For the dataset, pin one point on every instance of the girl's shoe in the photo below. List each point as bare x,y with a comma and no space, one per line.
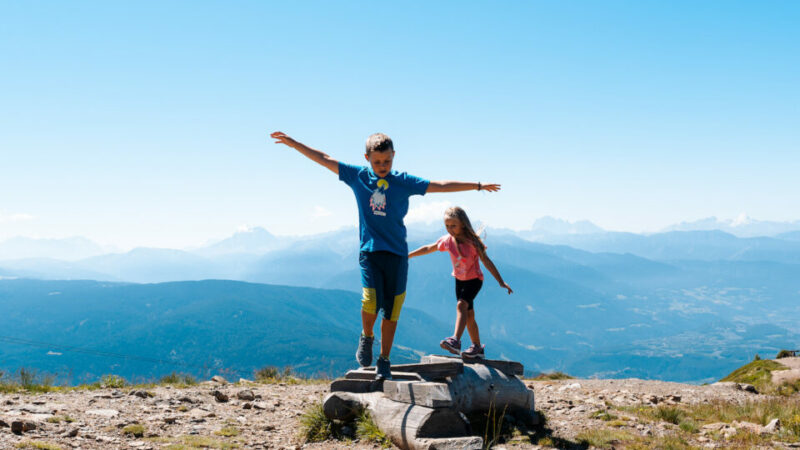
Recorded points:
451,344
383,370
473,352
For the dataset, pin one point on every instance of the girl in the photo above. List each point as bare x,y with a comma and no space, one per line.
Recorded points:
465,248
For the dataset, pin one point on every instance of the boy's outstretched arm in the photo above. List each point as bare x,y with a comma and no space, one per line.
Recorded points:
493,270
315,155
457,186
424,250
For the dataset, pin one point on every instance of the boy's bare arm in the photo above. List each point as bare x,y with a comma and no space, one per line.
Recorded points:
315,155
493,270
457,186
424,250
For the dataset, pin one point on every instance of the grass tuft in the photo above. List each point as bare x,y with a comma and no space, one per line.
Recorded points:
314,425
669,414
367,430
604,415
553,376
38,445
603,437
135,430
228,431
178,379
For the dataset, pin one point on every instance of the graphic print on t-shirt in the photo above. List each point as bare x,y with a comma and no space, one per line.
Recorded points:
378,199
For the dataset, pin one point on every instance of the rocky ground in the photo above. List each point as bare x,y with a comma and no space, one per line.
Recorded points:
575,408
207,415
789,375
243,415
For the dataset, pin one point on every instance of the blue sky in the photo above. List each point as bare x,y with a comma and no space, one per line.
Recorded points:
146,123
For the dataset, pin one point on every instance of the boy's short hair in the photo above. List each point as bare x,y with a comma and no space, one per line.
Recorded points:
379,142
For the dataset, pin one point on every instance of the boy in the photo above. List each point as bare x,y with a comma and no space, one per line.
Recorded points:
382,198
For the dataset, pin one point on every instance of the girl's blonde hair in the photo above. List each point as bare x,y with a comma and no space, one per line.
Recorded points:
456,212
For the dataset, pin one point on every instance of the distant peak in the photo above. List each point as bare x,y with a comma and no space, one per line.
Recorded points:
554,225
741,219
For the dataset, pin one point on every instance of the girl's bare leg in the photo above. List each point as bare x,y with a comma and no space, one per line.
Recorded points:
472,327
461,319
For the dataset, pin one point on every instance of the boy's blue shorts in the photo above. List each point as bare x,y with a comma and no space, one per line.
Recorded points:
383,282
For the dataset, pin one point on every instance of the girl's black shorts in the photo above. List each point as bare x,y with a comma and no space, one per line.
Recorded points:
467,290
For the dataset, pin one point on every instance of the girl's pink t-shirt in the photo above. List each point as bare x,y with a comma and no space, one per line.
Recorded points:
465,267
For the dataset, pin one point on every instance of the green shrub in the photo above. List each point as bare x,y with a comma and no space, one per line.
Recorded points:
756,358
134,430
180,379
669,414
30,381
112,381
784,354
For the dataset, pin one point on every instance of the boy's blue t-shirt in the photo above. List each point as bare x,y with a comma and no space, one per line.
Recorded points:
382,205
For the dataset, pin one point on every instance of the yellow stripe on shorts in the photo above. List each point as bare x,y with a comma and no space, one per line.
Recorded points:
398,305
369,300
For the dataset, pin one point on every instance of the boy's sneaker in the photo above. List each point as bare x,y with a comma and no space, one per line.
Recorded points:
384,370
364,352
473,352
451,344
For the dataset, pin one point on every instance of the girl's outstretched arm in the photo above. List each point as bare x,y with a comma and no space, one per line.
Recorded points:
457,186
493,270
424,250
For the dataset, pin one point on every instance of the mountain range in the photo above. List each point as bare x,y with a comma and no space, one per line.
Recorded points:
681,305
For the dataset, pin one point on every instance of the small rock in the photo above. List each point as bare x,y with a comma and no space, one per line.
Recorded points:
570,387
22,426
259,405
269,427
103,412
35,409
170,419
773,426
219,379
220,397
247,405
3,424
142,394
245,381
17,426
72,432
749,426
748,388
246,395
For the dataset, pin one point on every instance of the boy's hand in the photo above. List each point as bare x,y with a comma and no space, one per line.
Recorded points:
281,138
492,187
506,286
